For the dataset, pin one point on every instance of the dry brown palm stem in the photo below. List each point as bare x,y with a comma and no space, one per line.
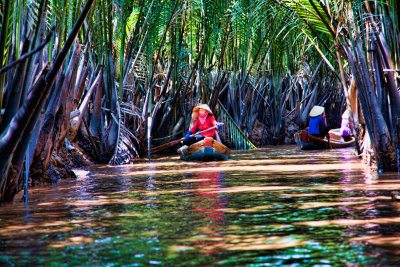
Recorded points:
66,99
75,122
50,129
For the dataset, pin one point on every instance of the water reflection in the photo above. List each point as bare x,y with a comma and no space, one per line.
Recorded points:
276,206
209,203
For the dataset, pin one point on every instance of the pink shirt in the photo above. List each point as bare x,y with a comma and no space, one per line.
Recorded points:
210,122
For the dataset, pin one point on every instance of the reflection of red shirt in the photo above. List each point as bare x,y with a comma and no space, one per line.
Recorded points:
209,204
210,122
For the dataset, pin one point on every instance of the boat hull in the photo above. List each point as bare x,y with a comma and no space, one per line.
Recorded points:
310,142
207,149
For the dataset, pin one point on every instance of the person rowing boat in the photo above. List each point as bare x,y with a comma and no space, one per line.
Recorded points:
317,125
202,119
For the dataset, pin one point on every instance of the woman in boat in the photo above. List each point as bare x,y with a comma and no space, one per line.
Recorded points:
345,131
317,125
203,119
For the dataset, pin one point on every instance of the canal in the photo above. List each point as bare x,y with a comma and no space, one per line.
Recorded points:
277,206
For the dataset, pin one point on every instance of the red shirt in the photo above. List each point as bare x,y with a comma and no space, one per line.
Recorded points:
210,122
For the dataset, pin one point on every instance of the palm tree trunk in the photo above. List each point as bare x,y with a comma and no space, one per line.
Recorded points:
67,101
34,102
46,135
14,101
95,121
375,122
11,136
75,122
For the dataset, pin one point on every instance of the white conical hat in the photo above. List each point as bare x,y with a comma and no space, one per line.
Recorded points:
316,111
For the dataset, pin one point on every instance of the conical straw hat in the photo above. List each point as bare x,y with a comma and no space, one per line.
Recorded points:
203,106
316,111
195,112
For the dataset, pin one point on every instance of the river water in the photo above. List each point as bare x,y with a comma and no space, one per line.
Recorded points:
277,206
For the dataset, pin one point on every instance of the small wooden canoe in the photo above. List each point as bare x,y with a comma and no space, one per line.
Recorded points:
306,141
207,149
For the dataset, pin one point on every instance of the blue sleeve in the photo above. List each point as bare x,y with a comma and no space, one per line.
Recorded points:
322,122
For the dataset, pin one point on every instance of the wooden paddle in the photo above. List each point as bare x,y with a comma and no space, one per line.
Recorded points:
172,143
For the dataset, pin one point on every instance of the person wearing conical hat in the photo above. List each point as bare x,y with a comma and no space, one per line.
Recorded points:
203,119
317,124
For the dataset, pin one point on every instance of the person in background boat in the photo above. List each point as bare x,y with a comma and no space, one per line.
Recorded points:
317,125
203,119
345,130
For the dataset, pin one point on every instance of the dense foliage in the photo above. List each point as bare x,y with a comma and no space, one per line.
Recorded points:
142,65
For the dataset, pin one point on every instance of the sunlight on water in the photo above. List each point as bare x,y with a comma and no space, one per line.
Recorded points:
269,207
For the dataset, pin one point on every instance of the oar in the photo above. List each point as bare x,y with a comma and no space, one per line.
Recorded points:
172,143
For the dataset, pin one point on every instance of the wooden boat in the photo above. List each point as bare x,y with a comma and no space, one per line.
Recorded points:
309,142
207,149
334,134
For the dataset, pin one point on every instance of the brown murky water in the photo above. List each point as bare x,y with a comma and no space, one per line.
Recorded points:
269,207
